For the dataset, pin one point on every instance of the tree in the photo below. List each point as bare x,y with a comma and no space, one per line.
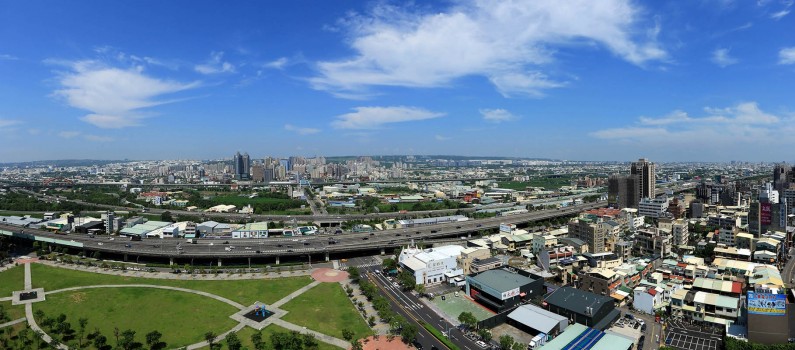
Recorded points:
166,216
83,322
406,280
506,342
389,264
485,334
256,339
468,319
128,340
232,341
347,334
353,273
287,341
420,288
210,338
153,340
357,345
408,332
96,255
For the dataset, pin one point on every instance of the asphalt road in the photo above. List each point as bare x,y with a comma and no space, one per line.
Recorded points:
788,273
300,245
409,306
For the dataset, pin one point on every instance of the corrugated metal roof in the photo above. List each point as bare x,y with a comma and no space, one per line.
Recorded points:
536,318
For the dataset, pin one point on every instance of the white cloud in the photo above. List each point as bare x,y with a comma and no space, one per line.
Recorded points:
277,64
786,55
4,123
215,65
376,117
8,57
114,96
779,15
69,134
722,58
301,131
442,138
507,42
497,115
97,138
743,122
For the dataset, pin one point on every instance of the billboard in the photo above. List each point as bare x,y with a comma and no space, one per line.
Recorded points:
767,304
507,228
765,213
510,294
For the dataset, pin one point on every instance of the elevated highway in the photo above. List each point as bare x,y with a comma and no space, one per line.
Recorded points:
277,247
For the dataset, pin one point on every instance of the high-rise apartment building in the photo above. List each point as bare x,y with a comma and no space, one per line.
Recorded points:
589,231
645,170
242,166
622,191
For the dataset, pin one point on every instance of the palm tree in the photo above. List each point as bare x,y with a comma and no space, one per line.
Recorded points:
82,322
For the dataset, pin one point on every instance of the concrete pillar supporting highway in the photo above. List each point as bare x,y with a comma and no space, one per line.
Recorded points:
125,257
326,256
382,251
171,261
220,262
277,260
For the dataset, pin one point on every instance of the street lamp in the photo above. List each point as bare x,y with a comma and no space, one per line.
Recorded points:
446,324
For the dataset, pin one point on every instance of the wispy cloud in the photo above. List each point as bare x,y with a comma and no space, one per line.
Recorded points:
497,115
745,121
215,65
114,96
722,58
7,57
786,55
376,117
779,15
442,138
69,134
300,130
87,137
4,123
277,63
508,43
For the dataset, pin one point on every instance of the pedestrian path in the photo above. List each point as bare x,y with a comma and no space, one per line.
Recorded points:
181,276
28,280
319,336
11,323
379,328
292,295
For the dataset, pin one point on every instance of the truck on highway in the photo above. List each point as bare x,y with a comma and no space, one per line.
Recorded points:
135,238
191,241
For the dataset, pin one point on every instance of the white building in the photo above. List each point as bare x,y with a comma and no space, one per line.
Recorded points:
434,265
654,208
647,299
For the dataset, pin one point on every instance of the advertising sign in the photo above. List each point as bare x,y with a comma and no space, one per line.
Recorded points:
767,304
508,228
765,213
510,294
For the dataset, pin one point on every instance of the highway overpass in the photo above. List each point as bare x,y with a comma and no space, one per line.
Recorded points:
276,248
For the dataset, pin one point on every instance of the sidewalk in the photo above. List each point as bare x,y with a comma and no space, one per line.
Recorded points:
380,327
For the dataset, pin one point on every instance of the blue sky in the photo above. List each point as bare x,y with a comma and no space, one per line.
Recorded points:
584,80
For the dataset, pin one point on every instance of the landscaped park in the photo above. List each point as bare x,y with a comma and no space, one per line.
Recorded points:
81,306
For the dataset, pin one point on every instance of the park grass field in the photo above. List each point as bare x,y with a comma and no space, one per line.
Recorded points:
183,318
21,213
246,333
245,292
326,309
13,311
11,280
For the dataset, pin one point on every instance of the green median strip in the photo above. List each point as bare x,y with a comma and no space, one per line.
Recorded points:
436,333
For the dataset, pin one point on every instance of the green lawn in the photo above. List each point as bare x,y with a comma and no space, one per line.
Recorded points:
21,213
326,309
245,292
246,333
13,311
11,280
183,318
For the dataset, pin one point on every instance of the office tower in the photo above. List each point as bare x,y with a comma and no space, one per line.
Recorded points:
242,166
645,170
622,191
258,173
781,176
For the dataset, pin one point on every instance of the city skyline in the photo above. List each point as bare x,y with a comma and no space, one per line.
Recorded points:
614,80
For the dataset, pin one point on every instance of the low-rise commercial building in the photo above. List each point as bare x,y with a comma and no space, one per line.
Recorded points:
501,289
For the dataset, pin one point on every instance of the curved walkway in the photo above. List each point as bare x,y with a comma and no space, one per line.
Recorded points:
209,295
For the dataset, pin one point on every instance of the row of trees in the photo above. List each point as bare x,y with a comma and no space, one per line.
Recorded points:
62,332
398,324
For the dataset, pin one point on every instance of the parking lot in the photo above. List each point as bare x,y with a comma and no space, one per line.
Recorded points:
680,335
